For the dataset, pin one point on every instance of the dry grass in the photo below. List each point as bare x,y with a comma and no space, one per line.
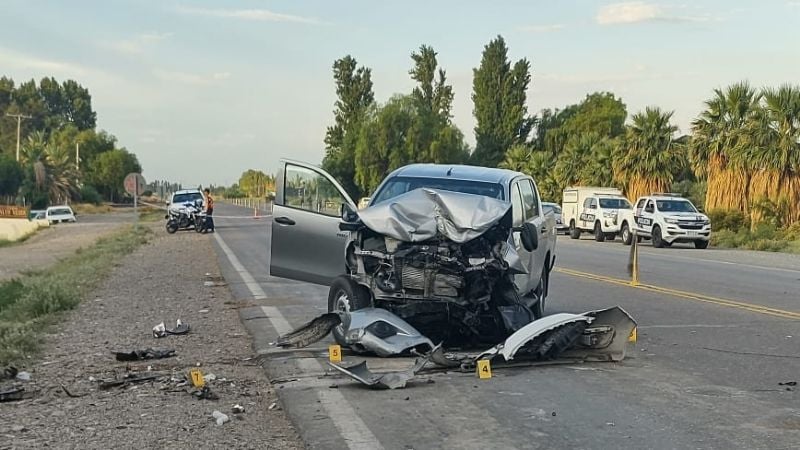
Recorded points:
31,303
90,208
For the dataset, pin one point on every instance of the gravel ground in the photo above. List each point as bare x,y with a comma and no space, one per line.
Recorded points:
162,281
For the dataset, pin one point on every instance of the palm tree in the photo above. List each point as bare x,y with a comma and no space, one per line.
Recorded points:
53,171
717,137
649,157
771,152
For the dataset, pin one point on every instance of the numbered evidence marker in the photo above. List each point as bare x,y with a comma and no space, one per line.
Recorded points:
484,369
632,337
197,378
334,353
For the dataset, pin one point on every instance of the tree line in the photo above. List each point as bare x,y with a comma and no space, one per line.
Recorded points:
59,124
742,154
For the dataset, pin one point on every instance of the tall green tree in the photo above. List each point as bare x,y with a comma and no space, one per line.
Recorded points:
11,175
499,94
354,96
650,156
255,183
109,169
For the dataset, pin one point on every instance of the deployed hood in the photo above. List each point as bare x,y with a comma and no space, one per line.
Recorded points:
424,214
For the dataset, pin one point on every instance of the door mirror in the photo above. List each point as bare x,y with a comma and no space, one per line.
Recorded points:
528,236
348,214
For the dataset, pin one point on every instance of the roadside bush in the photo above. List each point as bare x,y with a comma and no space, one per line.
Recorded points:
90,195
725,219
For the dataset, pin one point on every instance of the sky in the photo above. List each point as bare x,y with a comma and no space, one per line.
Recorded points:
203,90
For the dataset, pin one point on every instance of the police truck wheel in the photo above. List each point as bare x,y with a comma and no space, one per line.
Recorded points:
627,236
658,241
701,244
599,236
574,233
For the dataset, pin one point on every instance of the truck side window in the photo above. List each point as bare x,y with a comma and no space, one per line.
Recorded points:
308,190
529,199
517,211
593,203
649,207
587,203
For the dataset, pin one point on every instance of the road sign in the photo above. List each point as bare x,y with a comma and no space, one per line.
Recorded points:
134,184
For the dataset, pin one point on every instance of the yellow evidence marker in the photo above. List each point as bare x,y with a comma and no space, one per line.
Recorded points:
484,369
197,378
334,353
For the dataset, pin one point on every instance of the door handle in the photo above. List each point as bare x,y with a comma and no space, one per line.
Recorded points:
284,220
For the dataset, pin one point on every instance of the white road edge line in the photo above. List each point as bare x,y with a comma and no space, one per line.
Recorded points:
352,429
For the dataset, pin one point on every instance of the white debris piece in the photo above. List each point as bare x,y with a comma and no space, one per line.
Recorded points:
220,417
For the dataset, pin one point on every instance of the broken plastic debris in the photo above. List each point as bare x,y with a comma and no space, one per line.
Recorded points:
161,330
272,406
13,394
205,394
10,372
24,376
237,409
128,379
149,353
311,332
388,380
220,417
209,377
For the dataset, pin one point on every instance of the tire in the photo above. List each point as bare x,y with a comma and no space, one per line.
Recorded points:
541,292
574,233
599,236
346,295
611,236
172,227
658,241
702,245
627,236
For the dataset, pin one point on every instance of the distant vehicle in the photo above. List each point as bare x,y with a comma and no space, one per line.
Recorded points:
548,207
666,219
595,210
183,209
56,214
37,214
181,199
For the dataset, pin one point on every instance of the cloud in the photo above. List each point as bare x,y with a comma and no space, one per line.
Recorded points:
541,28
190,78
16,60
638,12
137,44
261,15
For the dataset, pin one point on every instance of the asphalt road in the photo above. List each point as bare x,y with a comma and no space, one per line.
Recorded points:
718,332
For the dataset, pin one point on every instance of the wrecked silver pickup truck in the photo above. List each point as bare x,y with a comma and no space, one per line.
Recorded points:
453,254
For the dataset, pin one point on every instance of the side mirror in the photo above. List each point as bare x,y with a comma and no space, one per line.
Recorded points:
529,236
347,213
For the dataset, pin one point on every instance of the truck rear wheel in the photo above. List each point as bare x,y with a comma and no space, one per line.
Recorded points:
574,232
599,236
701,244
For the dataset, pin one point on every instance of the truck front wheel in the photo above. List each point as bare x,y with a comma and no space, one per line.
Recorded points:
627,237
658,241
599,236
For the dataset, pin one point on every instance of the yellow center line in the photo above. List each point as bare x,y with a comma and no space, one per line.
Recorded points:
686,295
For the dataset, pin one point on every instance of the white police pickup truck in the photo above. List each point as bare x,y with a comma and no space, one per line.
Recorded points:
594,210
666,219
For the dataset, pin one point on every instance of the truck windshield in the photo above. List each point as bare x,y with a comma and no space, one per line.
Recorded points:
186,198
615,203
675,206
400,185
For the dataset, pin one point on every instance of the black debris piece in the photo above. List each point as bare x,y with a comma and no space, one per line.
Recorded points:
10,372
128,379
205,393
11,395
788,383
311,332
149,353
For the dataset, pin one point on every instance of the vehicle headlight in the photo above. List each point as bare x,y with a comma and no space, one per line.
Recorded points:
382,329
672,221
609,214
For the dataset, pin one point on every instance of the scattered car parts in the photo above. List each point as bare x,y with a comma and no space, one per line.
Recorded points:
387,380
161,330
311,332
139,355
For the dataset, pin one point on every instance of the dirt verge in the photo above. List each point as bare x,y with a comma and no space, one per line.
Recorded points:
162,281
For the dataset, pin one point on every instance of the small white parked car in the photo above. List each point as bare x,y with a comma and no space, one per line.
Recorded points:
56,214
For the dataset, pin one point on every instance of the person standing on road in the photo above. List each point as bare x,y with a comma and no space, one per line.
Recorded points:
208,224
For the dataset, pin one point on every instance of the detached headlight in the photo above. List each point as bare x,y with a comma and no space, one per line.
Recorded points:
672,221
382,329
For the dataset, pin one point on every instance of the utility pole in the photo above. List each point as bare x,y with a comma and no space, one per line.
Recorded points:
19,123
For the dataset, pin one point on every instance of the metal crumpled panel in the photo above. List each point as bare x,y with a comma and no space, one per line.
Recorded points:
423,214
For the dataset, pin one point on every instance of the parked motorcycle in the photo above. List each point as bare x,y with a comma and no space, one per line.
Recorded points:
184,218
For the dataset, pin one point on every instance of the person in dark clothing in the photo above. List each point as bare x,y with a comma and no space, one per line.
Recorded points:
208,223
